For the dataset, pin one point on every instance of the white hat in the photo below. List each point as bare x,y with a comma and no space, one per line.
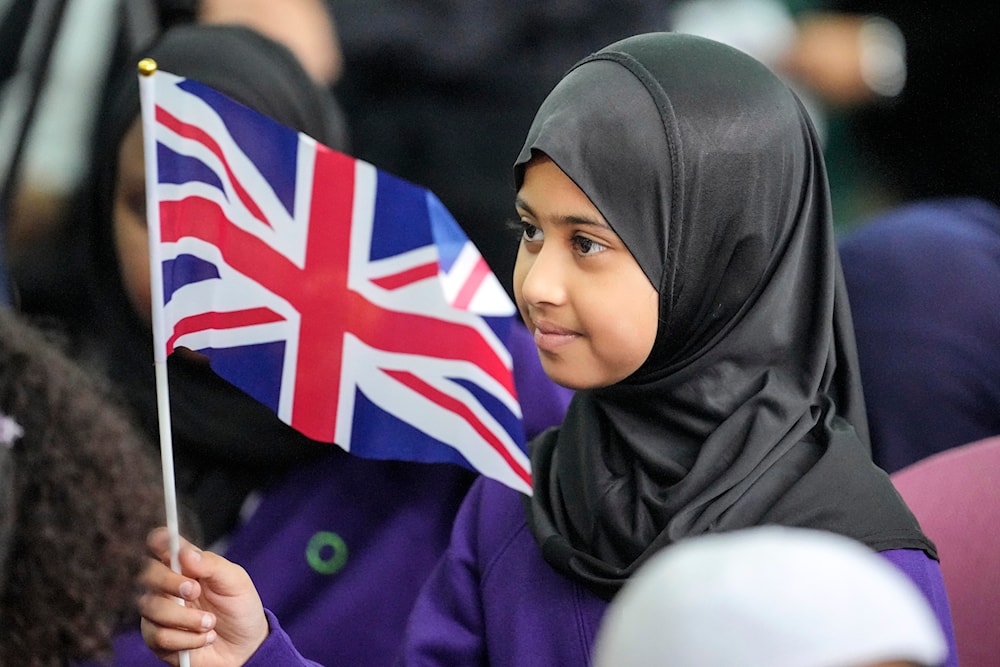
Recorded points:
768,597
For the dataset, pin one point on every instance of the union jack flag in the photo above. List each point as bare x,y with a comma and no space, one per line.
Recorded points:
347,300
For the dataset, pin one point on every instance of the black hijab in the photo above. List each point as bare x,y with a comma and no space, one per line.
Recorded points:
225,443
748,410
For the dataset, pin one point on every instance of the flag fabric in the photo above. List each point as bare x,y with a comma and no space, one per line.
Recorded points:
347,300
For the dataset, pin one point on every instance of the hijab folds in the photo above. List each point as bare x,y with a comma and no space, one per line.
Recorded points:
749,409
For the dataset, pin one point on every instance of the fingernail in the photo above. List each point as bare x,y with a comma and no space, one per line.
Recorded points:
207,621
185,589
211,637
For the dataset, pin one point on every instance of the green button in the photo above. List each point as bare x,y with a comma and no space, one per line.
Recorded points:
326,552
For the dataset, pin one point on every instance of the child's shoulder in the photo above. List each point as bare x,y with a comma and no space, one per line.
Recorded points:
492,502
493,520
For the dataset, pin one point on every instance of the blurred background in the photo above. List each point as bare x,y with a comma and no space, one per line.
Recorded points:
904,94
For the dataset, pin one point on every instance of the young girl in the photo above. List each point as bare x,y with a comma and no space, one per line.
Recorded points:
678,269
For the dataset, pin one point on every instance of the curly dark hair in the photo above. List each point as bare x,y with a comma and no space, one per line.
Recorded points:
86,491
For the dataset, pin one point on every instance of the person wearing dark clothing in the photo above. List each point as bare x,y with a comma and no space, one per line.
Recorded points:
924,286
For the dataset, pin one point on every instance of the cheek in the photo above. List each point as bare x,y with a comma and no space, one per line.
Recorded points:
132,246
650,320
634,326
521,266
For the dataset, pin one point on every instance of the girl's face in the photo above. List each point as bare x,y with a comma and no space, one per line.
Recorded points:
130,233
593,312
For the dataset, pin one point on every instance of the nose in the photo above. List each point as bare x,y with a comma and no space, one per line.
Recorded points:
543,276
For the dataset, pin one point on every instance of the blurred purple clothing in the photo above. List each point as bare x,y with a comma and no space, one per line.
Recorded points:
338,551
923,281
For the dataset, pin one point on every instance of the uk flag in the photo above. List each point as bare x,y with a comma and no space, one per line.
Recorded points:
345,299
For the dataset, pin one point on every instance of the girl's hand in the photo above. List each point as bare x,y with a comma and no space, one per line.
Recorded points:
222,622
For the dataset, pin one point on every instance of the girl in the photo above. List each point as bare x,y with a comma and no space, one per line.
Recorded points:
678,270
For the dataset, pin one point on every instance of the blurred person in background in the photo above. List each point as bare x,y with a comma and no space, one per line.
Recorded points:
924,286
59,59
922,262
79,491
906,91
920,84
751,598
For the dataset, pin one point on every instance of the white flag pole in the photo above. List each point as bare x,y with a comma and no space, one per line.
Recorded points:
147,97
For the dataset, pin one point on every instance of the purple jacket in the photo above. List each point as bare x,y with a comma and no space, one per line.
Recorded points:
492,600
338,552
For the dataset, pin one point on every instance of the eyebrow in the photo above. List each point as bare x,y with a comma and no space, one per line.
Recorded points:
565,219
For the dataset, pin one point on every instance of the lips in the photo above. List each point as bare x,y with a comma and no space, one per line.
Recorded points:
550,337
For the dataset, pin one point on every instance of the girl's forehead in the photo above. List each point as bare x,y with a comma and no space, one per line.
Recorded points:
602,128
547,190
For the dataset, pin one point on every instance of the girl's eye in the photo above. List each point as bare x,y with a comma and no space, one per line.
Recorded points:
530,232
586,246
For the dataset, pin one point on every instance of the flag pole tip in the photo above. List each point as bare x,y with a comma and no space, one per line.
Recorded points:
147,66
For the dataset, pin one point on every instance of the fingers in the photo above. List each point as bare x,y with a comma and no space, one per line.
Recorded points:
158,542
165,618
159,579
168,613
222,605
166,641
214,573
192,566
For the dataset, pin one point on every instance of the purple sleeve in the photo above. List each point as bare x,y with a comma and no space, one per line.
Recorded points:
925,572
446,623
277,649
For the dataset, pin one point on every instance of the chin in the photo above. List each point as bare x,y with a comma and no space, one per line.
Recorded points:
570,376
569,380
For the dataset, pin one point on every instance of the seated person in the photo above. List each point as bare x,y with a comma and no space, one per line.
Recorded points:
923,281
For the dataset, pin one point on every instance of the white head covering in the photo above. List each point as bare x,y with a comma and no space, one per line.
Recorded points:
768,597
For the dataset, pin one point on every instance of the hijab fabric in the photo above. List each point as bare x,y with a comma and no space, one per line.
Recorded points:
749,409
226,443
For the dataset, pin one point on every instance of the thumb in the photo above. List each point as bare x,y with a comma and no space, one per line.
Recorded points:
217,574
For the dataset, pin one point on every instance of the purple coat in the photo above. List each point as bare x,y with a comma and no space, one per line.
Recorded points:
492,600
338,551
